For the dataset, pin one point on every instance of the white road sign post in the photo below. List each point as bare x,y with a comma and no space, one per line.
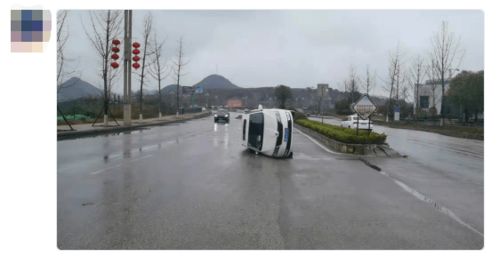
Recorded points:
364,109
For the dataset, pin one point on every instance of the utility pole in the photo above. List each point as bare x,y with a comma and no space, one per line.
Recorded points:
127,70
320,103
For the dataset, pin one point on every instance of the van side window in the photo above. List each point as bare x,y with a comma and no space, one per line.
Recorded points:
244,129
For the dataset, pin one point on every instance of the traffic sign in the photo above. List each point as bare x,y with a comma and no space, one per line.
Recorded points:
364,107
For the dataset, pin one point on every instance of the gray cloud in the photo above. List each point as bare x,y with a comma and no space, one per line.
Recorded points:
296,48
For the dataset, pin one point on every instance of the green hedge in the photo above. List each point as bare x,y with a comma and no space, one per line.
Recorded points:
344,135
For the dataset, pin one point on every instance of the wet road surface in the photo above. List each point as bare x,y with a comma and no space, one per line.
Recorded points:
192,186
445,169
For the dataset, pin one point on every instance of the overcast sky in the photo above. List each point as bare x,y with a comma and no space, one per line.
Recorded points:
294,48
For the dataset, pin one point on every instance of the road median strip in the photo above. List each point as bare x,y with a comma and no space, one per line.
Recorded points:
327,135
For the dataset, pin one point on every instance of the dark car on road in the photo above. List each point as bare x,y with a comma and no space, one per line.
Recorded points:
222,115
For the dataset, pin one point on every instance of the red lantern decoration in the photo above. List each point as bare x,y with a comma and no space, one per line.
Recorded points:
136,65
136,51
136,58
115,49
136,44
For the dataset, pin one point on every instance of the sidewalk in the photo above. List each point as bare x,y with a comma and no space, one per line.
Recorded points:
81,130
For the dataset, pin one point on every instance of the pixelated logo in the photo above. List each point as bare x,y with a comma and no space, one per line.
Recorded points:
29,30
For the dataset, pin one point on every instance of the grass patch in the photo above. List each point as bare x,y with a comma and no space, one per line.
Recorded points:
344,135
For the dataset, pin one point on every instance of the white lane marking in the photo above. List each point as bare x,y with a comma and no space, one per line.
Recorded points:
410,190
437,206
141,157
319,144
104,169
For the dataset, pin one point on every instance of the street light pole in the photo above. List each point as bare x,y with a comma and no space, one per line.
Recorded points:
127,70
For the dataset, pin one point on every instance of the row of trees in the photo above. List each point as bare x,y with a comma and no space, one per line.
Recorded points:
406,77
444,56
104,26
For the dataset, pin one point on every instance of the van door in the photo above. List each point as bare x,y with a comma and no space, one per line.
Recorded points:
255,131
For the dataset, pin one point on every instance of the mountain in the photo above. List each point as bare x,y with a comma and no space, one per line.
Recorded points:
215,81
75,88
170,89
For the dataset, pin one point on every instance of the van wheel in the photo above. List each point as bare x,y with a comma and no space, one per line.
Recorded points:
290,156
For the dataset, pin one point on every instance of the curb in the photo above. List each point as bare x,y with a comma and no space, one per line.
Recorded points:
62,135
354,149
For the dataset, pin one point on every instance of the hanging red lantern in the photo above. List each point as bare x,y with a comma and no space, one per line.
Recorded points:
136,58
115,65
116,42
136,44
115,56
115,49
136,65
136,51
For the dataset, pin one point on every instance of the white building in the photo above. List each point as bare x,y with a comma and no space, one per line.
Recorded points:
428,95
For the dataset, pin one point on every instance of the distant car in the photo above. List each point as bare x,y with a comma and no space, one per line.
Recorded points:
240,116
269,131
351,122
222,115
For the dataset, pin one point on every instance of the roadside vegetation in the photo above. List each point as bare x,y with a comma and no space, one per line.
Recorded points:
344,135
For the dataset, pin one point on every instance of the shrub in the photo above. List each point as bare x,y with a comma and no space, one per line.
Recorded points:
298,115
344,135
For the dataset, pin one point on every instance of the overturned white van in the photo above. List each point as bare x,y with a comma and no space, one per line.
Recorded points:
269,131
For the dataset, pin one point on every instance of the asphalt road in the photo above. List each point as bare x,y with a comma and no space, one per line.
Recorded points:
446,169
192,186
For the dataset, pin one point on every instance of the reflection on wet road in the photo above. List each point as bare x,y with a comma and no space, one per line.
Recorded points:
193,186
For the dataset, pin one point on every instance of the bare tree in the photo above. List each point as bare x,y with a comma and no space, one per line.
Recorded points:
62,60
433,74
62,38
179,65
416,78
146,34
104,27
323,91
352,83
370,81
445,55
158,69
394,79
404,93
